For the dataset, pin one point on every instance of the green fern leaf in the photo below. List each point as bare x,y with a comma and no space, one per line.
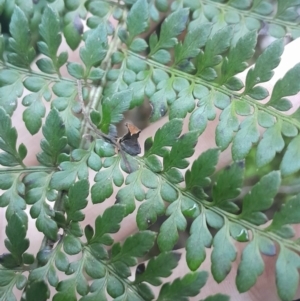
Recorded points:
198,177
262,70
227,186
180,289
16,243
171,27
194,40
67,105
103,188
11,88
77,201
271,144
288,85
160,266
199,239
12,197
55,140
235,61
8,134
22,52
94,50
250,268
37,291
215,46
290,162
176,221
260,198
288,214
218,297
166,136
8,278
37,193
50,32
137,20
109,222
134,246
113,108
287,274
224,252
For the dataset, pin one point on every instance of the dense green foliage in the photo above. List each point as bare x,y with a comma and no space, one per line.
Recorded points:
187,68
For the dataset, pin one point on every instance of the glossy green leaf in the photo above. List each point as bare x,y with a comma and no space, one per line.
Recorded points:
113,108
36,194
54,139
76,70
137,19
136,245
183,148
94,50
158,267
165,136
201,169
152,207
109,222
176,221
244,139
46,65
33,115
206,111
72,245
16,242
250,268
288,85
65,290
103,188
78,193
218,297
50,32
291,159
237,57
8,135
194,40
69,171
228,186
228,125
11,88
199,239
215,46
260,198
20,43
271,144
264,65
12,198
223,254
37,291
287,275
73,31
181,289
172,26
288,214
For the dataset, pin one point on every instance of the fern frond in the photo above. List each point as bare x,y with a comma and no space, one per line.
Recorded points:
185,58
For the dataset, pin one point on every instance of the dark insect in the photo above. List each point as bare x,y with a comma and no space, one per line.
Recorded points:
129,142
140,269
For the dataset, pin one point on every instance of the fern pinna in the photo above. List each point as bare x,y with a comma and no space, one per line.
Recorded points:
183,57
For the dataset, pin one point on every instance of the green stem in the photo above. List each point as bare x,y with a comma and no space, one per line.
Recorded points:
28,169
36,73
